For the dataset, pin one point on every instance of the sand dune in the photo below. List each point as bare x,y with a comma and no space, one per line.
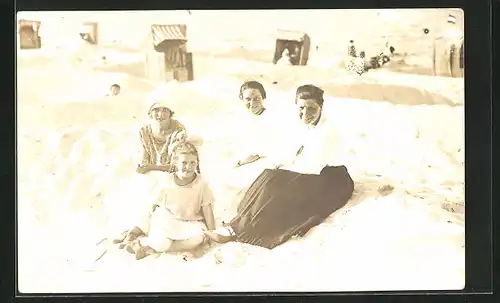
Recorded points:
77,151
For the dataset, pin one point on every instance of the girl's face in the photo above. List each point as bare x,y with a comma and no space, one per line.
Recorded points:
253,100
162,115
186,166
114,90
309,110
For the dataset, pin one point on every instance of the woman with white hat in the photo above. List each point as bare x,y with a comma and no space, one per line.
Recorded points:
158,137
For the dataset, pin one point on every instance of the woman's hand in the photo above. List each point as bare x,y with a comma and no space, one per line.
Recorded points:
248,160
142,169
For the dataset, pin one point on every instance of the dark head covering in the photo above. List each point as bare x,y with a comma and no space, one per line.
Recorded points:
255,85
310,91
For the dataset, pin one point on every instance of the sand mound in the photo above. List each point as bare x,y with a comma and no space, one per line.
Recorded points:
390,93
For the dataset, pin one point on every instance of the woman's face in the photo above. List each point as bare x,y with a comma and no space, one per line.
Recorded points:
309,110
186,165
253,100
161,115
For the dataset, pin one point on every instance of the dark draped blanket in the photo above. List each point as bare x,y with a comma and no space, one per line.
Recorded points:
281,204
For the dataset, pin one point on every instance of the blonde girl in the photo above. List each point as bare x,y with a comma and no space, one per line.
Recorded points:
183,211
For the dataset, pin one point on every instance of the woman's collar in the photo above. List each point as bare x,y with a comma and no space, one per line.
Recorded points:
260,113
317,121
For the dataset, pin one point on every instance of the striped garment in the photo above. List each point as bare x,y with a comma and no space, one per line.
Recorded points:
156,152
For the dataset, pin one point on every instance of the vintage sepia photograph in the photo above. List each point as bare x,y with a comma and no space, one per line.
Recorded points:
240,150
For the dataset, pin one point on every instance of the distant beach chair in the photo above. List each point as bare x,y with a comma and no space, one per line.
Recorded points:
448,58
28,34
297,43
169,58
89,33
461,62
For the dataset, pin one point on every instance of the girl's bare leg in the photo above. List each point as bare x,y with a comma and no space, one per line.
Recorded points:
143,252
129,236
187,245
140,250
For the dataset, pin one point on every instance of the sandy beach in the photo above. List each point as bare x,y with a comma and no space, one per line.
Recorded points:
77,153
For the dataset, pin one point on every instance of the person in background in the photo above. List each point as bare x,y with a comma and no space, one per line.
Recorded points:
448,39
285,58
357,65
455,37
295,56
462,53
351,49
377,61
114,90
388,49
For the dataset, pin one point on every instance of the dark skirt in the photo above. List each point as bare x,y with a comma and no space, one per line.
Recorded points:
281,204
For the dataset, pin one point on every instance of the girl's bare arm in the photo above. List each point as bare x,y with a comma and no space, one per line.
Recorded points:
208,214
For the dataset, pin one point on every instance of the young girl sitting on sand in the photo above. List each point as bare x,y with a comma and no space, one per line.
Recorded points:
182,213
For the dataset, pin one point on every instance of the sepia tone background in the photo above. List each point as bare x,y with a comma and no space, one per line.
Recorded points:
77,149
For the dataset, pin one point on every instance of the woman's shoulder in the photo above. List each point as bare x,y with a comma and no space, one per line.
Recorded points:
178,126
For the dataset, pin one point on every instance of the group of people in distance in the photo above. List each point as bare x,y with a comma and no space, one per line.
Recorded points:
295,191
358,63
448,52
